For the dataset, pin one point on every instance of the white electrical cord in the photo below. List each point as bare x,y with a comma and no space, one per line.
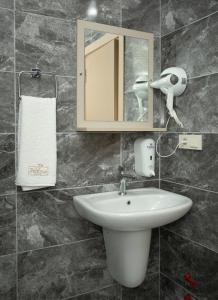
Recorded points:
157,142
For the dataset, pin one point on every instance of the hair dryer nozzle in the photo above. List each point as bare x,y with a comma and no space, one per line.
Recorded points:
162,83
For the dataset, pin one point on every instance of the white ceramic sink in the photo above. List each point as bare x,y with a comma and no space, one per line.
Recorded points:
127,222
139,209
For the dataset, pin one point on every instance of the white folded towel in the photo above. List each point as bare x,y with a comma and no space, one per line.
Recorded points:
37,149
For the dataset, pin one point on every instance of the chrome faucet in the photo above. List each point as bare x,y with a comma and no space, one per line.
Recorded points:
123,177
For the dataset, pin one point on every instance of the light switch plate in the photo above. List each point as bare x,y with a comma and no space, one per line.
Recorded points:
190,141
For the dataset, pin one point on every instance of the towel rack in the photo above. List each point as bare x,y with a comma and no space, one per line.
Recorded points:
36,74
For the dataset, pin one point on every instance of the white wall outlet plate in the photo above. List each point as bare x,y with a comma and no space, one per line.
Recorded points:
190,141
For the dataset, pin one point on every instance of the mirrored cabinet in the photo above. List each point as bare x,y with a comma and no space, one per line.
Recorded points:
114,68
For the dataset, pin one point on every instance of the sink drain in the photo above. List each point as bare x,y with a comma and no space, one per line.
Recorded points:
128,202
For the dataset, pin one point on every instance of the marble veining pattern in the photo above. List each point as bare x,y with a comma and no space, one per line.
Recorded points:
177,13
172,291
194,168
140,15
66,105
49,218
87,159
7,102
193,48
179,256
61,272
204,211
197,107
54,8
108,12
111,293
7,40
7,164
7,4
7,224
8,277
46,42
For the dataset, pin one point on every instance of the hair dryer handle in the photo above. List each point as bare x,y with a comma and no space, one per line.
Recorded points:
169,105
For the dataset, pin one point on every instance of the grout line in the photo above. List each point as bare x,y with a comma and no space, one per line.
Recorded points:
60,245
82,187
190,186
57,75
8,195
66,20
187,25
7,133
203,75
90,292
15,157
189,240
9,254
189,132
181,286
5,8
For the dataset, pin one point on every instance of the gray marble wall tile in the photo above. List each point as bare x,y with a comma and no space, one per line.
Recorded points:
177,13
8,277
157,57
6,40
179,256
111,293
49,218
54,8
197,107
128,158
153,262
7,4
148,290
169,290
7,164
142,184
193,48
7,102
201,223
108,12
195,168
45,41
87,159
7,224
66,102
64,271
141,15
66,105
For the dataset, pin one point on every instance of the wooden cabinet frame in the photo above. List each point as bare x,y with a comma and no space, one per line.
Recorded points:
82,124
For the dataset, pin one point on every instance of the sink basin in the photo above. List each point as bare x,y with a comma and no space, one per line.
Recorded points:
127,222
139,209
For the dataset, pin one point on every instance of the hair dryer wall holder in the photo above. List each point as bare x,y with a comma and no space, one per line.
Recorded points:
172,83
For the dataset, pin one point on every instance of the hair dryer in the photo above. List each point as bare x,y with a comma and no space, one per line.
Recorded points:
140,89
173,82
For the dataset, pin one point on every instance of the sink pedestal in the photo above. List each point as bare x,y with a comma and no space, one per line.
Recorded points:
127,255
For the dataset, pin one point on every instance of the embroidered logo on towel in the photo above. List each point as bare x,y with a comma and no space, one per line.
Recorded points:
38,170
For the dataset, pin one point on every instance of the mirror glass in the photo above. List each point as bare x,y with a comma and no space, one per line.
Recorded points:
116,77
